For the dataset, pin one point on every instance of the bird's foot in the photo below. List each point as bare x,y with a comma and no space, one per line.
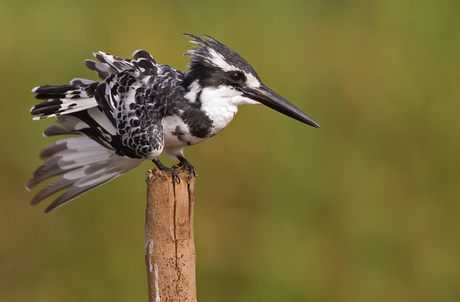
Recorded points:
162,167
187,166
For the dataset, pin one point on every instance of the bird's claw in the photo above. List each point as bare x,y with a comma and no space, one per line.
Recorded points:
162,167
187,166
174,175
183,163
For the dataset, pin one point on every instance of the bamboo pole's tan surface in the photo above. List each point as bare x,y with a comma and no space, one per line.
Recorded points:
169,246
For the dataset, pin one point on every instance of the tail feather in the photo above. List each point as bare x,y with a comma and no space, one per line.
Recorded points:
74,191
48,169
77,189
64,156
53,130
82,164
70,146
56,186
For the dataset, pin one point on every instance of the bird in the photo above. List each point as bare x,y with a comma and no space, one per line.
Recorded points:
140,109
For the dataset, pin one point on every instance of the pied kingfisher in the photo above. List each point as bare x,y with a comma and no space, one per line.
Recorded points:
139,109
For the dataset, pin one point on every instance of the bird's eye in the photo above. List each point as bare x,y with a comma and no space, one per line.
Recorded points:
236,76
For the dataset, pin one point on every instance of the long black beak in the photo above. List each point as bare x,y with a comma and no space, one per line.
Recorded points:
269,98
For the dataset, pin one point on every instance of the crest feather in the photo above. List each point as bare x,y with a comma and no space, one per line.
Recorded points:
209,50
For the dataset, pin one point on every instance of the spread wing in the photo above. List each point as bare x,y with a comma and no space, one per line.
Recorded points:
118,120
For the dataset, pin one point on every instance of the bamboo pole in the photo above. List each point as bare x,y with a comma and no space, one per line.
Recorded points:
169,244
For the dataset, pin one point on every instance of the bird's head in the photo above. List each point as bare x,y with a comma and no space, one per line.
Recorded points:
215,66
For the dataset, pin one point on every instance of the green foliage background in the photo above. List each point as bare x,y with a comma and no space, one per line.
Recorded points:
367,208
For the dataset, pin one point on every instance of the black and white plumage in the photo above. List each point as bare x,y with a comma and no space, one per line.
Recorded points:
138,110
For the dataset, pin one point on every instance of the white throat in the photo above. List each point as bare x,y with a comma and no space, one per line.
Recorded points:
219,103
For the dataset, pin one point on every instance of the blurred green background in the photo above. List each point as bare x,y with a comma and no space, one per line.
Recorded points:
367,208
